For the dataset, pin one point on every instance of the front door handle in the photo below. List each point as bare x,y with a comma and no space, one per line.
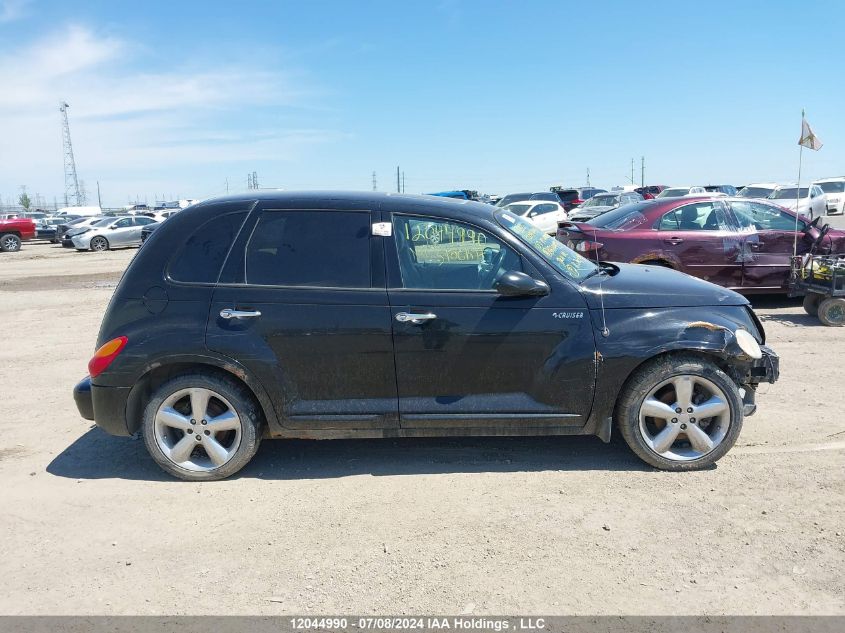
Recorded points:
416,319
229,313
674,240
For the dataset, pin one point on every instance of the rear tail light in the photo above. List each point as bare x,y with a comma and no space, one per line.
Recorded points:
577,201
104,356
587,246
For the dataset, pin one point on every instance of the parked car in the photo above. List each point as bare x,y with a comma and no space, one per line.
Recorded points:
160,215
357,314
513,197
147,230
602,203
728,190
65,232
650,191
542,214
571,198
109,233
678,192
808,201
14,231
47,229
834,193
759,190
738,243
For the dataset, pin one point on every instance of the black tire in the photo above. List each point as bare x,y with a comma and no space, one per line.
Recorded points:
811,303
650,375
241,400
10,243
832,311
100,240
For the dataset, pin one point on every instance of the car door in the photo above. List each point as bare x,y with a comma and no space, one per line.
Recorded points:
769,236
302,304
818,203
119,233
701,237
138,223
467,357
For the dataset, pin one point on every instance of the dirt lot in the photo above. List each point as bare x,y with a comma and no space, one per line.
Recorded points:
567,525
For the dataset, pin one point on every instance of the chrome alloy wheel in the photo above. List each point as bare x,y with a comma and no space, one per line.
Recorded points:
11,244
99,244
197,429
685,418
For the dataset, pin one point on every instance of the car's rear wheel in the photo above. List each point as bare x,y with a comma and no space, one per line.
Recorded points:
10,243
832,311
680,412
201,427
811,303
99,243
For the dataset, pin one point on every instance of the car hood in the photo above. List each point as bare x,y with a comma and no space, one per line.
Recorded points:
640,286
78,231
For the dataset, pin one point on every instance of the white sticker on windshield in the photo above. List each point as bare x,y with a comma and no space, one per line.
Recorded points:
382,229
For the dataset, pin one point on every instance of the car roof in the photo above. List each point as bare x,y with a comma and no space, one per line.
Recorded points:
770,185
832,179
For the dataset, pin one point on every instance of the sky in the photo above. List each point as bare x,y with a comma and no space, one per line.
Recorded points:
184,99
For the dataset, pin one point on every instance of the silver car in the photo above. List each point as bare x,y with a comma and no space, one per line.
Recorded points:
111,233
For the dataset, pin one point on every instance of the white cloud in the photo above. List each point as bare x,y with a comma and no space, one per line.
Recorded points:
11,10
125,122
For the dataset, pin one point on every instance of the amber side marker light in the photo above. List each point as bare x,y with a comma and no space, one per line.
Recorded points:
104,356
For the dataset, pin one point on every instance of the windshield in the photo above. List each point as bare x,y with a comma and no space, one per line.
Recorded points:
601,201
832,187
564,260
625,217
754,192
673,193
789,193
519,209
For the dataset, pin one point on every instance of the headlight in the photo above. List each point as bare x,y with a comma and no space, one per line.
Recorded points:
748,344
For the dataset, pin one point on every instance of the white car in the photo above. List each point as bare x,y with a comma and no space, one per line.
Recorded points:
543,214
809,201
834,193
680,192
758,190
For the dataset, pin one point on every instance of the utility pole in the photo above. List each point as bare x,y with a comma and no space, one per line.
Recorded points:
99,200
632,171
398,188
72,194
227,185
255,180
403,182
375,188
588,176
642,171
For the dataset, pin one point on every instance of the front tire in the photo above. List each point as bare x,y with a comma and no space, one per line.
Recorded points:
10,243
201,427
832,312
99,244
811,303
680,412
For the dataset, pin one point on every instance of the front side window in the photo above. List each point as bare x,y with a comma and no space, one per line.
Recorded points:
326,249
439,254
122,224
764,217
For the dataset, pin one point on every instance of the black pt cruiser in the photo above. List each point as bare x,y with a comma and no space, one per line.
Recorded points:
339,315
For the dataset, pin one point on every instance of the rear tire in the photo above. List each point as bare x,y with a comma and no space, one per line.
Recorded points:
832,312
690,443
10,243
811,303
201,427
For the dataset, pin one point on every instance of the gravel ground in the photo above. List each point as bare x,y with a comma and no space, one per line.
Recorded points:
507,525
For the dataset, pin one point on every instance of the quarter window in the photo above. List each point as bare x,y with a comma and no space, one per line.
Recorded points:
446,255
326,249
202,256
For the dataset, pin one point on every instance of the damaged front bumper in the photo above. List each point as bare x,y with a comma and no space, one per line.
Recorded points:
763,369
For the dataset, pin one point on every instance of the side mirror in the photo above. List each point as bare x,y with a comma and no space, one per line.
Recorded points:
512,283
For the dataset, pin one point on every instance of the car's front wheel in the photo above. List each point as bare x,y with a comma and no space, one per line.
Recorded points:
10,243
99,244
680,412
201,427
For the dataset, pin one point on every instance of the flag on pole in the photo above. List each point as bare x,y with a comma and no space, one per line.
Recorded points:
808,138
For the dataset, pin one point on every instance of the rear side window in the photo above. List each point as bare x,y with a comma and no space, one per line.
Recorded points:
327,249
202,256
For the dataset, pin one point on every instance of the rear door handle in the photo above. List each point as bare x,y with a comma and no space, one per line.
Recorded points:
674,240
229,313
416,319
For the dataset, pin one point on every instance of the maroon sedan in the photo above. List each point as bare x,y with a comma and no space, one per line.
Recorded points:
739,243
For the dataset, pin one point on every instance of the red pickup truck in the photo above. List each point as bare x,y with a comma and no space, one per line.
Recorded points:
13,231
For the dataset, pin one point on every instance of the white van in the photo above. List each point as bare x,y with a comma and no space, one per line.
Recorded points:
80,211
